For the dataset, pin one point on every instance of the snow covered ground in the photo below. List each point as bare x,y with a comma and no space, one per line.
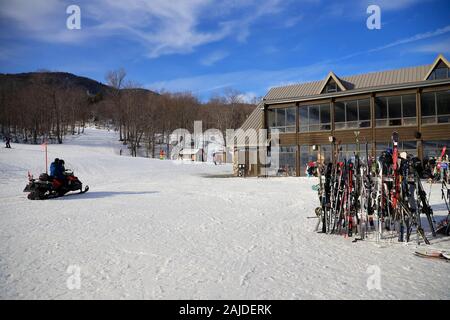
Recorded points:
152,229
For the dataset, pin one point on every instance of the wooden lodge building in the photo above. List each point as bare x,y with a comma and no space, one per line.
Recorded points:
413,101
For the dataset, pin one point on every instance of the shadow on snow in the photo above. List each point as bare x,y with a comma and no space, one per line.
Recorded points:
103,194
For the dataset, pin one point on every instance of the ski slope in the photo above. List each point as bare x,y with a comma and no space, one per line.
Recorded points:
152,229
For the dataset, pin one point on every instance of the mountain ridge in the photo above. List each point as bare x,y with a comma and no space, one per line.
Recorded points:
59,78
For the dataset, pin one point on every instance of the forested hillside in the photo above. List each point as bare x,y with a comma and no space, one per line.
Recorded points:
46,106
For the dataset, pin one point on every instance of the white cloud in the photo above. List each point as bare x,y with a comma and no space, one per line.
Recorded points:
205,83
163,27
409,40
257,11
214,57
247,97
415,38
436,47
292,21
30,15
271,78
393,4
159,26
42,20
355,10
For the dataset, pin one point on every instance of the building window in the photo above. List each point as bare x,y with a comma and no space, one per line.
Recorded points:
242,155
332,86
403,146
288,160
281,119
314,118
348,152
433,149
395,111
440,72
352,114
436,107
314,153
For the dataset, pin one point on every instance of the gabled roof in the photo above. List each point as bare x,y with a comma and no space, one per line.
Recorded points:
439,59
356,82
331,75
254,121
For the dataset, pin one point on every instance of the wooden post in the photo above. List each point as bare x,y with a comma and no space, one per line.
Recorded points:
419,147
46,158
297,140
373,125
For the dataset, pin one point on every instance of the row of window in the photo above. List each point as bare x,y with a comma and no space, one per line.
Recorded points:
347,151
389,111
395,111
315,118
323,153
352,114
436,107
282,119
287,158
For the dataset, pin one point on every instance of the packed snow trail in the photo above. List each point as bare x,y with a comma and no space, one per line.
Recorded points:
152,229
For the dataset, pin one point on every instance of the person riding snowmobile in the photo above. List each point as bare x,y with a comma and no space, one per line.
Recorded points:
62,168
57,170
53,167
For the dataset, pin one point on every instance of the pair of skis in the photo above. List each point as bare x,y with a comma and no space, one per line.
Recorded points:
346,191
433,254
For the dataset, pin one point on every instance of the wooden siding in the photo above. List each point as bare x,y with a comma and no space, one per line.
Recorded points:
433,132
282,105
314,138
351,98
436,132
405,133
288,139
348,136
395,93
311,103
437,88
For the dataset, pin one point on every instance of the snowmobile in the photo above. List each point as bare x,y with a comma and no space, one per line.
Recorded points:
48,187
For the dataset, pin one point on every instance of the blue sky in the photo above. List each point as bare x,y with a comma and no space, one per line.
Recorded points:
207,46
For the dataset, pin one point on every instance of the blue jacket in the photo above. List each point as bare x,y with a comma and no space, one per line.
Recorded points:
57,171
53,169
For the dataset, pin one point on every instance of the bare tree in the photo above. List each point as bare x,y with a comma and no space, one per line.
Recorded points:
116,80
45,107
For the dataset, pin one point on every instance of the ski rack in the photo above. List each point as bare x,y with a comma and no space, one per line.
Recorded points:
376,199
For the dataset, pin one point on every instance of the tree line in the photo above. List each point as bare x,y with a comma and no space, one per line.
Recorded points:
42,109
38,110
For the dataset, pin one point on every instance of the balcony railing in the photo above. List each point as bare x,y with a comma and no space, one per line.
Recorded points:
442,118
392,122
352,125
